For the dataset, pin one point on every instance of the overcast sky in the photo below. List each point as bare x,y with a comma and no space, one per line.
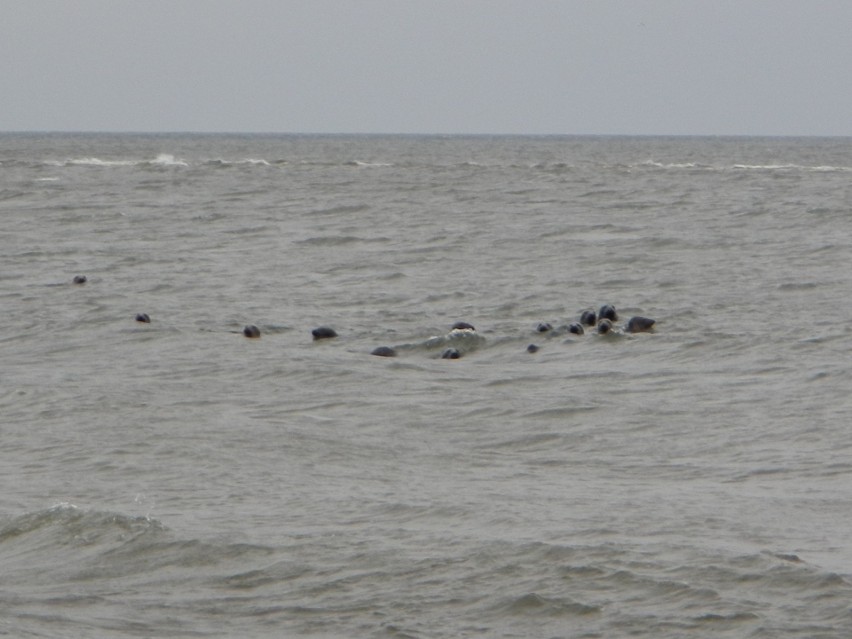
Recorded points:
717,67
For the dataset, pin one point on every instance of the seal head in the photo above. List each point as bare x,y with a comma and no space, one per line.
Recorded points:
607,311
576,329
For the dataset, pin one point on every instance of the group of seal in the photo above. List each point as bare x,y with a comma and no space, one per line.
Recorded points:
602,322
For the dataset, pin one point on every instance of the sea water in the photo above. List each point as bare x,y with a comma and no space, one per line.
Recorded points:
177,479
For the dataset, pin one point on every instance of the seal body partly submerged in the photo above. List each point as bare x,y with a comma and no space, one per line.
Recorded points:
639,324
323,332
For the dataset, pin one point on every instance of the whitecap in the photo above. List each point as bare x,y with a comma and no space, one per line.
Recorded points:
167,159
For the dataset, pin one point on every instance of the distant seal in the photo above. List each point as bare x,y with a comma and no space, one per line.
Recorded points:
251,331
143,318
576,328
79,279
451,353
639,324
532,348
383,351
607,311
323,332
543,327
463,326
604,326
588,318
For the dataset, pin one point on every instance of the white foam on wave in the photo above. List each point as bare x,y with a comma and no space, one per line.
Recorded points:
793,167
746,167
672,165
167,159
361,164
94,162
766,167
244,161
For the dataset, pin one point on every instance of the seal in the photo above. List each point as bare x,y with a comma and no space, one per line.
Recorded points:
532,348
588,318
79,279
543,327
251,331
604,326
143,318
451,353
639,324
576,328
463,326
607,311
323,332
383,351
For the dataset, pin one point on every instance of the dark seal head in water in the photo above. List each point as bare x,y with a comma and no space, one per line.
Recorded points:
323,332
79,279
532,348
143,318
639,324
251,331
608,312
588,318
543,327
576,329
463,326
604,326
451,353
383,351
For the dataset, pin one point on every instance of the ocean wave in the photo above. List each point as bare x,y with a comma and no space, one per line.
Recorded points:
92,162
106,544
536,604
675,165
686,166
167,159
68,523
792,167
368,165
163,159
243,162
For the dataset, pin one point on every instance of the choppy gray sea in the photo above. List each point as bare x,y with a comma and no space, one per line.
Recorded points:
177,479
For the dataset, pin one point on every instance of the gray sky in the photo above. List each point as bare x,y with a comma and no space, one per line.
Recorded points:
751,67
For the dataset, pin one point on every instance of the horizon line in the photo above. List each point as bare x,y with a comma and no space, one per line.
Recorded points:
411,134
